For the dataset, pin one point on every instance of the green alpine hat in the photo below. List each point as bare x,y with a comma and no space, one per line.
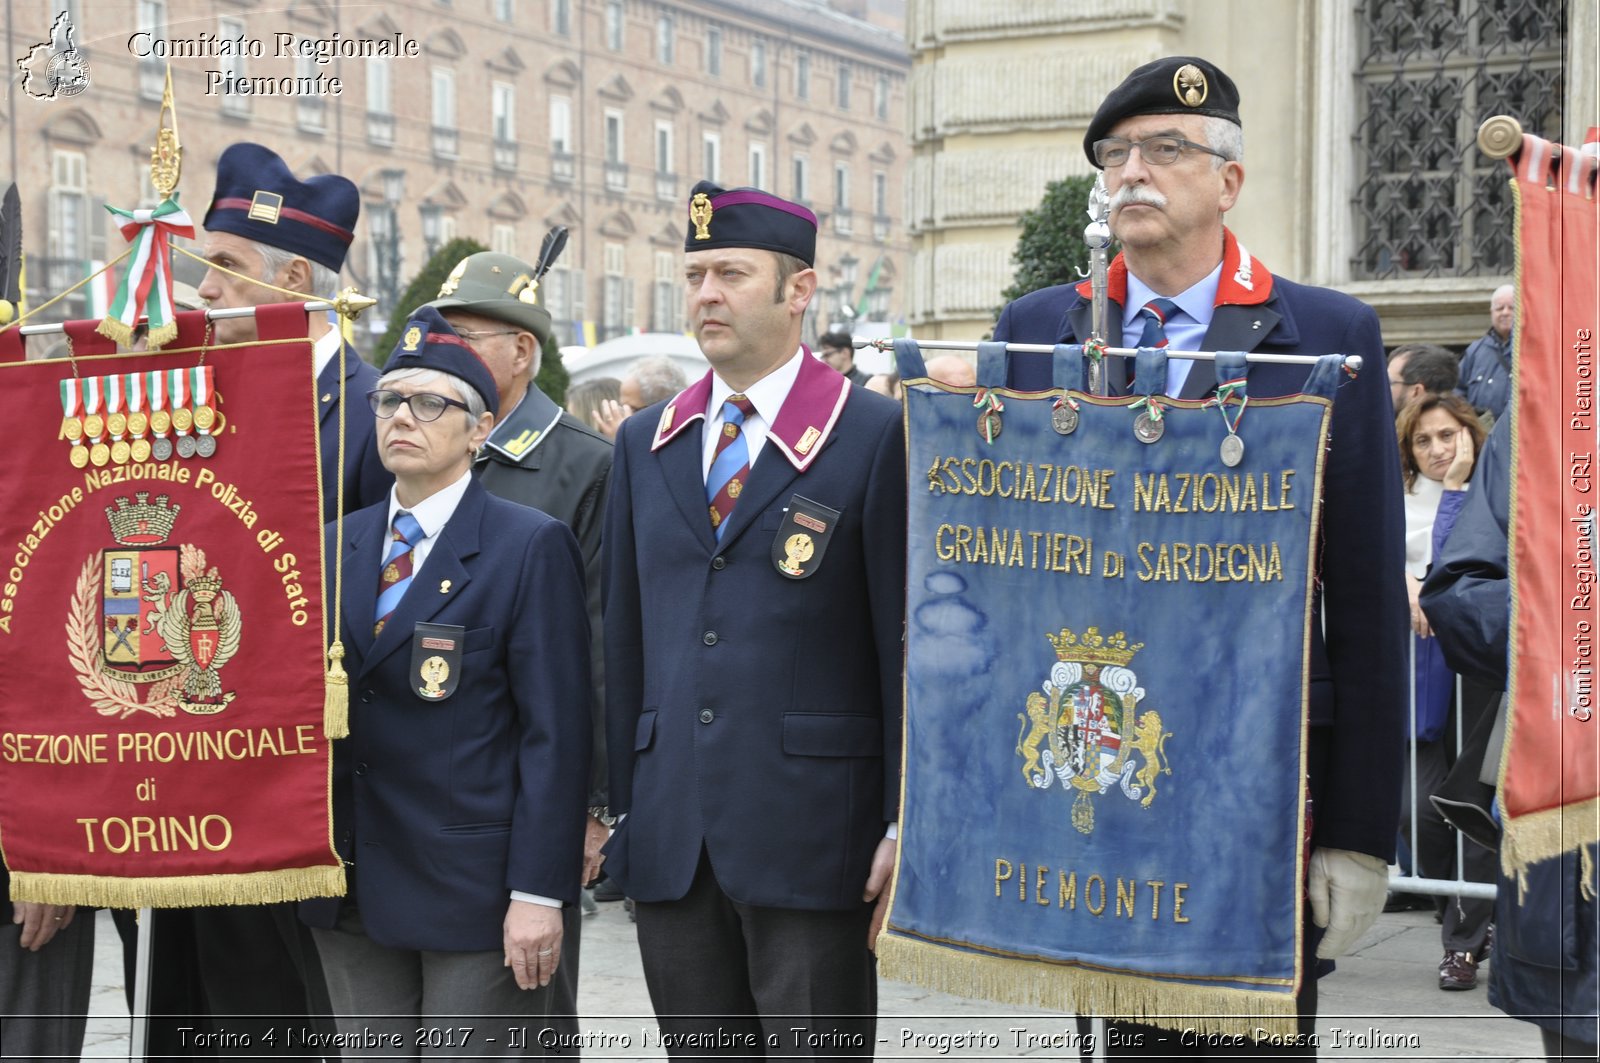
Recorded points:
498,286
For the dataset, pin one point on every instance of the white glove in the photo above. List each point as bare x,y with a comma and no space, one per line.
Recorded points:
1347,892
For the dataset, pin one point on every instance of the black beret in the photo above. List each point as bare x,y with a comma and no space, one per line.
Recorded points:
749,217
429,342
1178,84
259,199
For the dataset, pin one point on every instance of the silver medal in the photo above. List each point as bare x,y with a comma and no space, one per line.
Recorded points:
161,448
186,446
1232,450
989,425
1147,429
1064,419
205,446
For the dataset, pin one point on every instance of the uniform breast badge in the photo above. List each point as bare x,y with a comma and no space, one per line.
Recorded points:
1083,726
436,651
803,537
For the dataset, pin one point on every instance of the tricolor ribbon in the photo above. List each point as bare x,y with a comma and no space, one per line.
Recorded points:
200,390
1095,349
114,398
156,382
1149,403
71,404
133,384
178,394
92,396
1227,392
146,287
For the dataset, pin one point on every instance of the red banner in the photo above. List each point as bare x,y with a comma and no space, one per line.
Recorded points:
161,628
1549,784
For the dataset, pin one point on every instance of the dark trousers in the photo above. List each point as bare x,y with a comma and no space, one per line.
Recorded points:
740,981
1137,1040
176,1001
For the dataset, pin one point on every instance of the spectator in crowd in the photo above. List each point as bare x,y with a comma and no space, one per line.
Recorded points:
1439,439
1418,369
585,401
647,382
458,797
840,354
1486,376
1546,966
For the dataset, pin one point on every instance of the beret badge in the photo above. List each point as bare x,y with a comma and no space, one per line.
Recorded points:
1189,84
412,338
450,282
700,213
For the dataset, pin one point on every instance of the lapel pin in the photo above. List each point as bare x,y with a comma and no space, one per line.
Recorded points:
1256,323
444,586
327,398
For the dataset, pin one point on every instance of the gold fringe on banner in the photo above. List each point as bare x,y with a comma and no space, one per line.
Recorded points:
336,695
1035,984
1543,835
188,891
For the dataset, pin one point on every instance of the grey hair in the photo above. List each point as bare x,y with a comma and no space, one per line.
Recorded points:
658,377
468,394
274,260
1224,137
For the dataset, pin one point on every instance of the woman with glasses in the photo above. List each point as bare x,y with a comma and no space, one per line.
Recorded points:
459,796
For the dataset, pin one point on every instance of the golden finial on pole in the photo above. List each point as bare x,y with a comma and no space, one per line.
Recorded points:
1500,136
350,303
166,158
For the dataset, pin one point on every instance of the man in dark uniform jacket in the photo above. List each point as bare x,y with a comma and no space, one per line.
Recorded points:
541,456
258,962
754,518
1170,142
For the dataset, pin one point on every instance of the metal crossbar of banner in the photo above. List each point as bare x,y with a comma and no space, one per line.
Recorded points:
312,306
1353,362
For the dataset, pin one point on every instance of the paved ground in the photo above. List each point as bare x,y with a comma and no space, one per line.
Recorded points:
1382,995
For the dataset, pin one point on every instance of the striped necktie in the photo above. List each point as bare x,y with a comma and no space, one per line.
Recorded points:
1156,314
396,575
730,464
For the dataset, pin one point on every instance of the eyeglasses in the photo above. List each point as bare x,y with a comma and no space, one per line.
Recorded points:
485,335
425,406
1161,150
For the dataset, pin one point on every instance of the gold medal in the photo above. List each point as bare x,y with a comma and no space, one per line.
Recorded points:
160,421
117,423
140,451
119,452
182,419
94,425
138,423
72,428
204,418
79,456
99,454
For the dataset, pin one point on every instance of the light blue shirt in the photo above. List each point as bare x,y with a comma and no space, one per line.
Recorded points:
1186,327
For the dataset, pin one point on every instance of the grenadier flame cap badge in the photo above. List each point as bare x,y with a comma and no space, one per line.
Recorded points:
749,217
1178,84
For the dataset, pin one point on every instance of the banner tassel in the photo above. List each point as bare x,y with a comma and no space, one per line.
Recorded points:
336,695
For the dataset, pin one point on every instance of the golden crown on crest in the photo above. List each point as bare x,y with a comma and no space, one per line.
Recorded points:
142,522
1094,648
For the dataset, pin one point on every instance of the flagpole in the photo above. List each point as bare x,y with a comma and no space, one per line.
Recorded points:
349,302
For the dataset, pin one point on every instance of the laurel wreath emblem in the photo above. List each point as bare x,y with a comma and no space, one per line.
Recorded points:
109,694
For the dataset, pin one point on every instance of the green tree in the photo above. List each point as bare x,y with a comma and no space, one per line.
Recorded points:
552,378
1050,249
424,287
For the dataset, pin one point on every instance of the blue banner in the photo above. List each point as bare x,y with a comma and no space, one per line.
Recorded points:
1108,636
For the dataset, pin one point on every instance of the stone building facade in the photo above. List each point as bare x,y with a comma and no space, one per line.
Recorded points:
1359,118
494,119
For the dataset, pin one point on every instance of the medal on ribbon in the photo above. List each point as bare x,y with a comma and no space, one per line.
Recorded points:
205,416
160,419
71,423
116,419
182,416
138,420
94,425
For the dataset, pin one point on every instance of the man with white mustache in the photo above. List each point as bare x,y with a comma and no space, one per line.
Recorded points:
1171,143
